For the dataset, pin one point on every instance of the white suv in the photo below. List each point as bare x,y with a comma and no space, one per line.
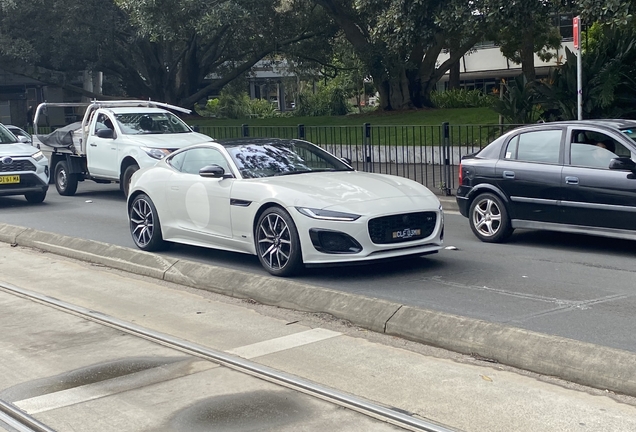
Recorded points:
23,168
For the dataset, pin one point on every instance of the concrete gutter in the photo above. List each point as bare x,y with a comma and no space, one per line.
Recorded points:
579,362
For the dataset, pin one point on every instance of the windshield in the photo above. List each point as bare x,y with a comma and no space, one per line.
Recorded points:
151,123
6,137
283,158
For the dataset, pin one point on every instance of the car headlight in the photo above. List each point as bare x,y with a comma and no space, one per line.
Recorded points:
38,156
156,153
327,214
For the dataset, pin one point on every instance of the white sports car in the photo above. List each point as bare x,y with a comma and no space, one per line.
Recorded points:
287,201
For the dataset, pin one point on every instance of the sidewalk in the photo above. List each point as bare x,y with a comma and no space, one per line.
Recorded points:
448,388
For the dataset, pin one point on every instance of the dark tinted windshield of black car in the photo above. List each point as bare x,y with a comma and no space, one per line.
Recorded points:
7,137
282,158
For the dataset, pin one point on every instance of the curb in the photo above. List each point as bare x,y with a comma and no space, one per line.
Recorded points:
579,362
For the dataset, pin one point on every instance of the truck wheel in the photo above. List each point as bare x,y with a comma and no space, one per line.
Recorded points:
125,179
65,182
35,197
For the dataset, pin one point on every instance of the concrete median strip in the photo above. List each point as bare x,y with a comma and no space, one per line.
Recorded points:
583,363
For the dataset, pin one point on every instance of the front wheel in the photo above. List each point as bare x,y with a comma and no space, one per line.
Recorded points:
489,219
125,178
35,197
277,242
65,182
144,224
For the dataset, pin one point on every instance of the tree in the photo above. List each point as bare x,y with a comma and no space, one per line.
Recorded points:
400,41
178,51
45,40
524,28
182,51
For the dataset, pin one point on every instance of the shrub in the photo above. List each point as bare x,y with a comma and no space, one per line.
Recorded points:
327,101
461,98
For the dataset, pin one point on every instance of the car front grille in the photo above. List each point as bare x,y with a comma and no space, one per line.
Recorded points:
17,165
402,227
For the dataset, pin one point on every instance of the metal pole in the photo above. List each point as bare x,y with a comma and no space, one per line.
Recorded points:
579,67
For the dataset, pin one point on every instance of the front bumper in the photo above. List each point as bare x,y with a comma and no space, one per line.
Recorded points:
31,181
359,231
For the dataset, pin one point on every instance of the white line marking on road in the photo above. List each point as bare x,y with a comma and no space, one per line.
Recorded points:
283,343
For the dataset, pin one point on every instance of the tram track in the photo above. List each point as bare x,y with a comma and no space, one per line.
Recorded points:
379,412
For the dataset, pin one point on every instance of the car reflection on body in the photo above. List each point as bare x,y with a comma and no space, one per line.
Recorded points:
577,177
287,201
24,170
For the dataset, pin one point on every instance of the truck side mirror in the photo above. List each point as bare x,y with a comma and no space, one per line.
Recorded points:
105,133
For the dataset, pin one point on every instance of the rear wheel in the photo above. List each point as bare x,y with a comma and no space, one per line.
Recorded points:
489,219
277,242
35,197
125,178
144,224
65,182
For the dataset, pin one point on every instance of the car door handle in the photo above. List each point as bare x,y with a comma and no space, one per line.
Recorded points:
93,145
509,174
572,180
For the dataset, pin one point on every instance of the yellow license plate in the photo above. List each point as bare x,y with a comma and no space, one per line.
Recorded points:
9,179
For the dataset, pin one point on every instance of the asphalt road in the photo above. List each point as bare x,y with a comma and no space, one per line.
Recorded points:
580,287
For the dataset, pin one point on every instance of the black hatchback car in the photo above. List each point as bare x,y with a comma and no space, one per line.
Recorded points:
577,176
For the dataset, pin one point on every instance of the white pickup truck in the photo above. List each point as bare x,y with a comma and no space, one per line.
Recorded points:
114,139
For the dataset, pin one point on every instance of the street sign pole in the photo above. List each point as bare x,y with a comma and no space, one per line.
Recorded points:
576,28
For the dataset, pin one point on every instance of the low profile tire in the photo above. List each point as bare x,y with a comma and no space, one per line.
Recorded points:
489,219
35,197
277,242
125,178
65,182
145,227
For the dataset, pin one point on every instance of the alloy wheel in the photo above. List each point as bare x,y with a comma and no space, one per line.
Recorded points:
142,222
274,241
487,217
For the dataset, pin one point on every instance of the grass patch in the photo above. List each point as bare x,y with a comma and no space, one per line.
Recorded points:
469,127
434,117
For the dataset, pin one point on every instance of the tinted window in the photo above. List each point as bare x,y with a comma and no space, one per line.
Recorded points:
538,146
6,137
195,159
595,149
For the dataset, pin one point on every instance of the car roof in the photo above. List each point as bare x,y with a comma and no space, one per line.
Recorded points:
233,142
135,110
608,123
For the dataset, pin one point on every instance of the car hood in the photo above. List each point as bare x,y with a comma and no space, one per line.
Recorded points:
169,141
349,187
17,150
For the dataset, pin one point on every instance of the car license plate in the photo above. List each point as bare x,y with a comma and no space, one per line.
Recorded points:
9,179
406,233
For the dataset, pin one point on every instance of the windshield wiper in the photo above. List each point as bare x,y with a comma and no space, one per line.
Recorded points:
293,172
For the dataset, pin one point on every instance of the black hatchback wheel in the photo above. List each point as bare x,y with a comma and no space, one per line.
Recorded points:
277,242
144,224
489,218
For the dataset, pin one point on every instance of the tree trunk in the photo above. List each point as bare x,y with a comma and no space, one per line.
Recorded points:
453,79
527,55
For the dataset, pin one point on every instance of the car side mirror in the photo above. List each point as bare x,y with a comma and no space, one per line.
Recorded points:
105,133
24,140
622,164
195,128
214,171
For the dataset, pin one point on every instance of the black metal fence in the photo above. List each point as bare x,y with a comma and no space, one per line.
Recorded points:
427,154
